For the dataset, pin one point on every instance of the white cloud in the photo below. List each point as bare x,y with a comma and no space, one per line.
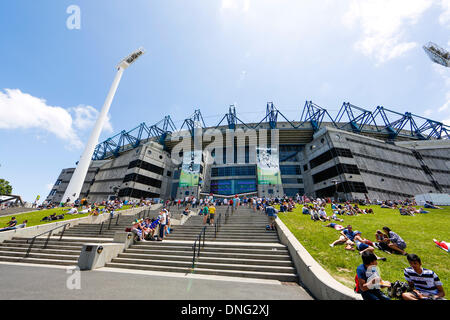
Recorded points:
444,18
85,117
428,112
384,24
23,111
239,5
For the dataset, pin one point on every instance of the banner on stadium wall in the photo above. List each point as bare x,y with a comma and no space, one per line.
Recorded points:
268,166
190,169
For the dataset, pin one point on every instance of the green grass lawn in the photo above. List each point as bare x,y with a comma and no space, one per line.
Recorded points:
34,218
418,233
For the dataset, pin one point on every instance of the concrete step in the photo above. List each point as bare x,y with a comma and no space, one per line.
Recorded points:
187,251
39,261
210,245
49,246
204,258
38,255
292,277
205,265
60,251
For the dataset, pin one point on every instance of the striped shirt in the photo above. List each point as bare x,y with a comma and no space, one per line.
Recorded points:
426,282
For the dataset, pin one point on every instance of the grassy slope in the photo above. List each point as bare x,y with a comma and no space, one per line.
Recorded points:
418,233
34,218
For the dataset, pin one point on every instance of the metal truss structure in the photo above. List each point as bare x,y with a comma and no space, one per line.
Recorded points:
437,54
193,122
351,118
127,140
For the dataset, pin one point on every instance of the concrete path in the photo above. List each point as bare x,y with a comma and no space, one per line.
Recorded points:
24,281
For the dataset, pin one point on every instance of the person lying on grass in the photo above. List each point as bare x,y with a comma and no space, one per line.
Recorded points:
347,236
430,205
335,226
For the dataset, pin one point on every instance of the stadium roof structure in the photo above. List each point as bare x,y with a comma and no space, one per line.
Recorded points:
381,123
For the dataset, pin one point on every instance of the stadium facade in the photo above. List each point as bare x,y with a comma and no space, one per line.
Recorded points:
358,154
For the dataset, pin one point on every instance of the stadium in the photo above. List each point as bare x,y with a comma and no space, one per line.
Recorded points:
356,154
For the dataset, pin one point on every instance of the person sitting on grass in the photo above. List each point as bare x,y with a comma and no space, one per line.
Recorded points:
382,242
16,226
404,211
425,282
395,243
305,210
347,236
12,222
367,280
335,218
323,215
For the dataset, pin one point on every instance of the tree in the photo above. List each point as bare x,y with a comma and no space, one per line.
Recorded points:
5,187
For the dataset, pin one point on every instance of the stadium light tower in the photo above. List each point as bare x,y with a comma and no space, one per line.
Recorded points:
437,54
76,182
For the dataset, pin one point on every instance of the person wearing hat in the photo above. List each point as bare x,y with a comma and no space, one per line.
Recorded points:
347,236
364,245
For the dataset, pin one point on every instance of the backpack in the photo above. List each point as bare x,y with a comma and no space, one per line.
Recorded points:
357,289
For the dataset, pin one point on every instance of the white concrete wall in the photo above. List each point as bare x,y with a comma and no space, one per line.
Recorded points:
312,275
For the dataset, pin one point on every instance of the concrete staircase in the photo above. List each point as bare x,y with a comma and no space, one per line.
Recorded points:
242,248
84,230
64,252
67,251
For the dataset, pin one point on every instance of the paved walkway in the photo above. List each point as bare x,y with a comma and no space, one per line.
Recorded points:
24,281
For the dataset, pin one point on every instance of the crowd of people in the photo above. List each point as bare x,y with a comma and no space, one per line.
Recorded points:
149,229
421,283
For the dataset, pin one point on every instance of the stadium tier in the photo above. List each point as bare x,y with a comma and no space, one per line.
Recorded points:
358,154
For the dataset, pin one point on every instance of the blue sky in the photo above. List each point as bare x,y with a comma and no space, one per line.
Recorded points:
204,54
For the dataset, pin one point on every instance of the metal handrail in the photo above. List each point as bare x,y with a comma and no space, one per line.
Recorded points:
196,253
48,238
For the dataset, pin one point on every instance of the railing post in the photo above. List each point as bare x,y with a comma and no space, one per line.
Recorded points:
62,233
101,227
48,238
193,256
29,248
117,221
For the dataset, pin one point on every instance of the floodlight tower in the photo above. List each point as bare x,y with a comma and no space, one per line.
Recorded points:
437,54
76,182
